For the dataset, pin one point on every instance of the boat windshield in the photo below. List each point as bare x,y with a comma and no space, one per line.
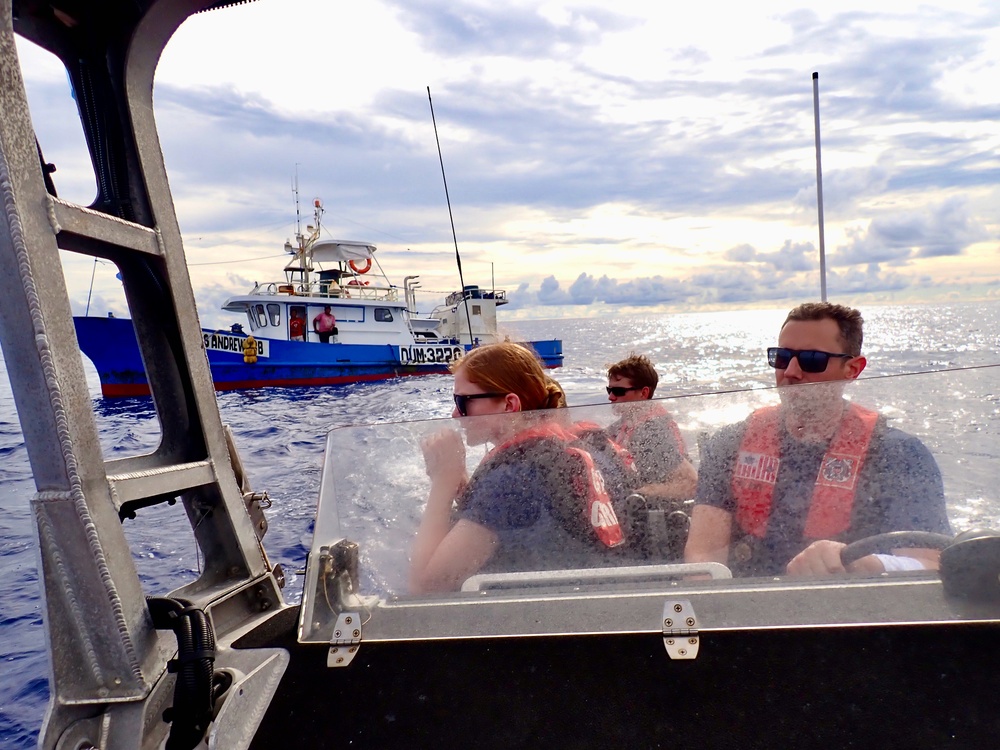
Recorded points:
547,505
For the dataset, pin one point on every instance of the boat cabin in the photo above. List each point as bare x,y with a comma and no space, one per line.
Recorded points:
359,321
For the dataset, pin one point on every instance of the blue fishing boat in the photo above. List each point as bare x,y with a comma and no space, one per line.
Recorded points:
334,318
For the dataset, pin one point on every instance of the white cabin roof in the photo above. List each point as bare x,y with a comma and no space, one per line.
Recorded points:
341,251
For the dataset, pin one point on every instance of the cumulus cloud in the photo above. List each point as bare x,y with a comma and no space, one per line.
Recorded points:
564,137
787,274
466,28
741,254
945,229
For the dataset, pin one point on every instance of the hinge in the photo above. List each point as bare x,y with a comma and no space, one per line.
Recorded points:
346,640
680,629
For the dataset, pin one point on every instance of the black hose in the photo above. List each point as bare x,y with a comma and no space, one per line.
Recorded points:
194,698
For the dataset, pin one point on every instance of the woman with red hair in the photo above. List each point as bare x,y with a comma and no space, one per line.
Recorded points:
505,511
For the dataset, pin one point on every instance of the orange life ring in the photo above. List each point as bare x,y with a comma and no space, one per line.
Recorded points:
367,267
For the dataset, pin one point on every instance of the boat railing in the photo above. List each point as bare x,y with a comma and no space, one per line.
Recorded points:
326,290
499,295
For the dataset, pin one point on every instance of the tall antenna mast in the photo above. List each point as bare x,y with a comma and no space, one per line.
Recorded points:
298,215
458,258
819,192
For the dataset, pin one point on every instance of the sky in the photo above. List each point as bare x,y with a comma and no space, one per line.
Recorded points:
601,157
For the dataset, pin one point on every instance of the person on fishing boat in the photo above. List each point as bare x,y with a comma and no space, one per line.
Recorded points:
296,327
515,511
648,432
785,490
325,325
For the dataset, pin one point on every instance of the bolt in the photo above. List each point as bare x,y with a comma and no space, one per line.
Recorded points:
690,622
670,641
336,634
668,623
357,633
682,652
693,641
340,660
678,608
348,620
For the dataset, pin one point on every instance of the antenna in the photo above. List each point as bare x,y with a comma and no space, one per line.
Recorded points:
819,192
298,215
91,292
458,258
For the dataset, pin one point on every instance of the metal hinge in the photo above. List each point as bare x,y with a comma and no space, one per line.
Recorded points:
346,640
680,629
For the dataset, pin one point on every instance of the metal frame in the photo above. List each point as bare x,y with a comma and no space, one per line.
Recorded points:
107,659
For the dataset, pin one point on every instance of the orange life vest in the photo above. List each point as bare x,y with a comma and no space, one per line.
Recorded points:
759,459
628,426
589,483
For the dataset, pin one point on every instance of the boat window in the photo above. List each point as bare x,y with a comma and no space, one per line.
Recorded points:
477,310
251,320
901,458
261,316
274,313
383,314
343,313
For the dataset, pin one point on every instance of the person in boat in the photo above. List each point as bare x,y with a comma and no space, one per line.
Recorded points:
296,326
647,431
514,512
785,490
325,325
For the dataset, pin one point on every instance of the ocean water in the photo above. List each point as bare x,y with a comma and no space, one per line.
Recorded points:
281,433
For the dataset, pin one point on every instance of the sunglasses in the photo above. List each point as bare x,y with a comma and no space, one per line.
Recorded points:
462,401
620,390
810,360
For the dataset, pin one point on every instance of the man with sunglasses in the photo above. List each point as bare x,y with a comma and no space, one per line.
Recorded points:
785,490
648,432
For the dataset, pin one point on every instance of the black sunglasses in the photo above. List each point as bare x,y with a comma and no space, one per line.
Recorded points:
810,360
462,401
619,390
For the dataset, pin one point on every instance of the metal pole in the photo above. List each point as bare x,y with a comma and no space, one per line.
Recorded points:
819,192
458,258
91,292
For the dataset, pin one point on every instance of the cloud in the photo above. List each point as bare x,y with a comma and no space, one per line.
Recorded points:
584,290
741,254
551,294
472,29
544,123
870,279
943,230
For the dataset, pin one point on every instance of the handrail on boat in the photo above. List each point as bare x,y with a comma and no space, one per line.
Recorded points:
326,290
593,575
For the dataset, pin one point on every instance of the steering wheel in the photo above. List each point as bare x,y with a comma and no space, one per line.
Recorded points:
885,543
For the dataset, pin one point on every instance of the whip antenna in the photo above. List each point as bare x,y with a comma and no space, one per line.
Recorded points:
819,193
458,258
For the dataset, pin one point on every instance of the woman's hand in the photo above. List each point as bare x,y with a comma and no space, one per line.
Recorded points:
444,454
